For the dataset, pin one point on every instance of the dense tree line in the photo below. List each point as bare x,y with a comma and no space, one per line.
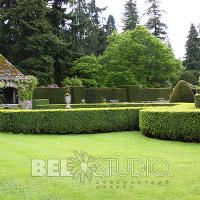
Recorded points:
44,37
191,62
55,39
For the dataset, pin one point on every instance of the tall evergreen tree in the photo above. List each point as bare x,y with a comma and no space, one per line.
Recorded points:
154,23
110,25
131,18
58,18
192,58
94,29
79,25
57,14
103,36
32,44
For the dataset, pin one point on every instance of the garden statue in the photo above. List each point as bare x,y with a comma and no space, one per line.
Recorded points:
67,97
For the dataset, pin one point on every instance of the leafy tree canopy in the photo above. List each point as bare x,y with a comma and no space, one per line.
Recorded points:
142,58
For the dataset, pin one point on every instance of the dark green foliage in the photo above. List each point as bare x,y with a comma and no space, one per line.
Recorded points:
171,124
28,32
190,76
29,41
55,95
182,93
133,92
85,29
197,101
103,36
37,102
136,94
69,121
154,93
131,18
96,95
103,105
110,25
154,24
94,33
192,58
78,93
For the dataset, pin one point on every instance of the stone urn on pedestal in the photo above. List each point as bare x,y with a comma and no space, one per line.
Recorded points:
67,97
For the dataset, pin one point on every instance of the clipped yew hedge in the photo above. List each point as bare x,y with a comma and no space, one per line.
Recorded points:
69,121
177,123
102,105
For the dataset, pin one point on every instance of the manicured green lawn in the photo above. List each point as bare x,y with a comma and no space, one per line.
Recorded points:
16,182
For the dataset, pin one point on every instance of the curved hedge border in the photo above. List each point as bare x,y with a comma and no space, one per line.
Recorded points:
69,121
177,123
102,105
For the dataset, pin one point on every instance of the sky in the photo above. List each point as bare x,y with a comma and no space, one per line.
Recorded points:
179,16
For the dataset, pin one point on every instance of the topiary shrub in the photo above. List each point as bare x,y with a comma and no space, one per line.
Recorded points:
182,93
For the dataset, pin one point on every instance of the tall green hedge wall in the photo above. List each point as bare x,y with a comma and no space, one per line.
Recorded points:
55,95
152,94
96,95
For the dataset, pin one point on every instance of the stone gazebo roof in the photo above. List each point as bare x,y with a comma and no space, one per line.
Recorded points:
8,72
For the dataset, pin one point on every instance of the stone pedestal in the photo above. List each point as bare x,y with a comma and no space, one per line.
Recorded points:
27,105
68,101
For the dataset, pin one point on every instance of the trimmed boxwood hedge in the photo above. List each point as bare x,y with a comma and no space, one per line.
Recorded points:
177,123
69,121
102,105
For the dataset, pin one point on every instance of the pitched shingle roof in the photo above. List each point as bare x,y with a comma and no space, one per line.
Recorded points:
8,71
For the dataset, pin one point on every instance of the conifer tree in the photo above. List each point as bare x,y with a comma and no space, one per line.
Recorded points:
154,23
79,24
110,25
93,33
32,45
192,57
131,18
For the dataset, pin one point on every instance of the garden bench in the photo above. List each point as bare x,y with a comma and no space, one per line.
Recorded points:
160,99
114,101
